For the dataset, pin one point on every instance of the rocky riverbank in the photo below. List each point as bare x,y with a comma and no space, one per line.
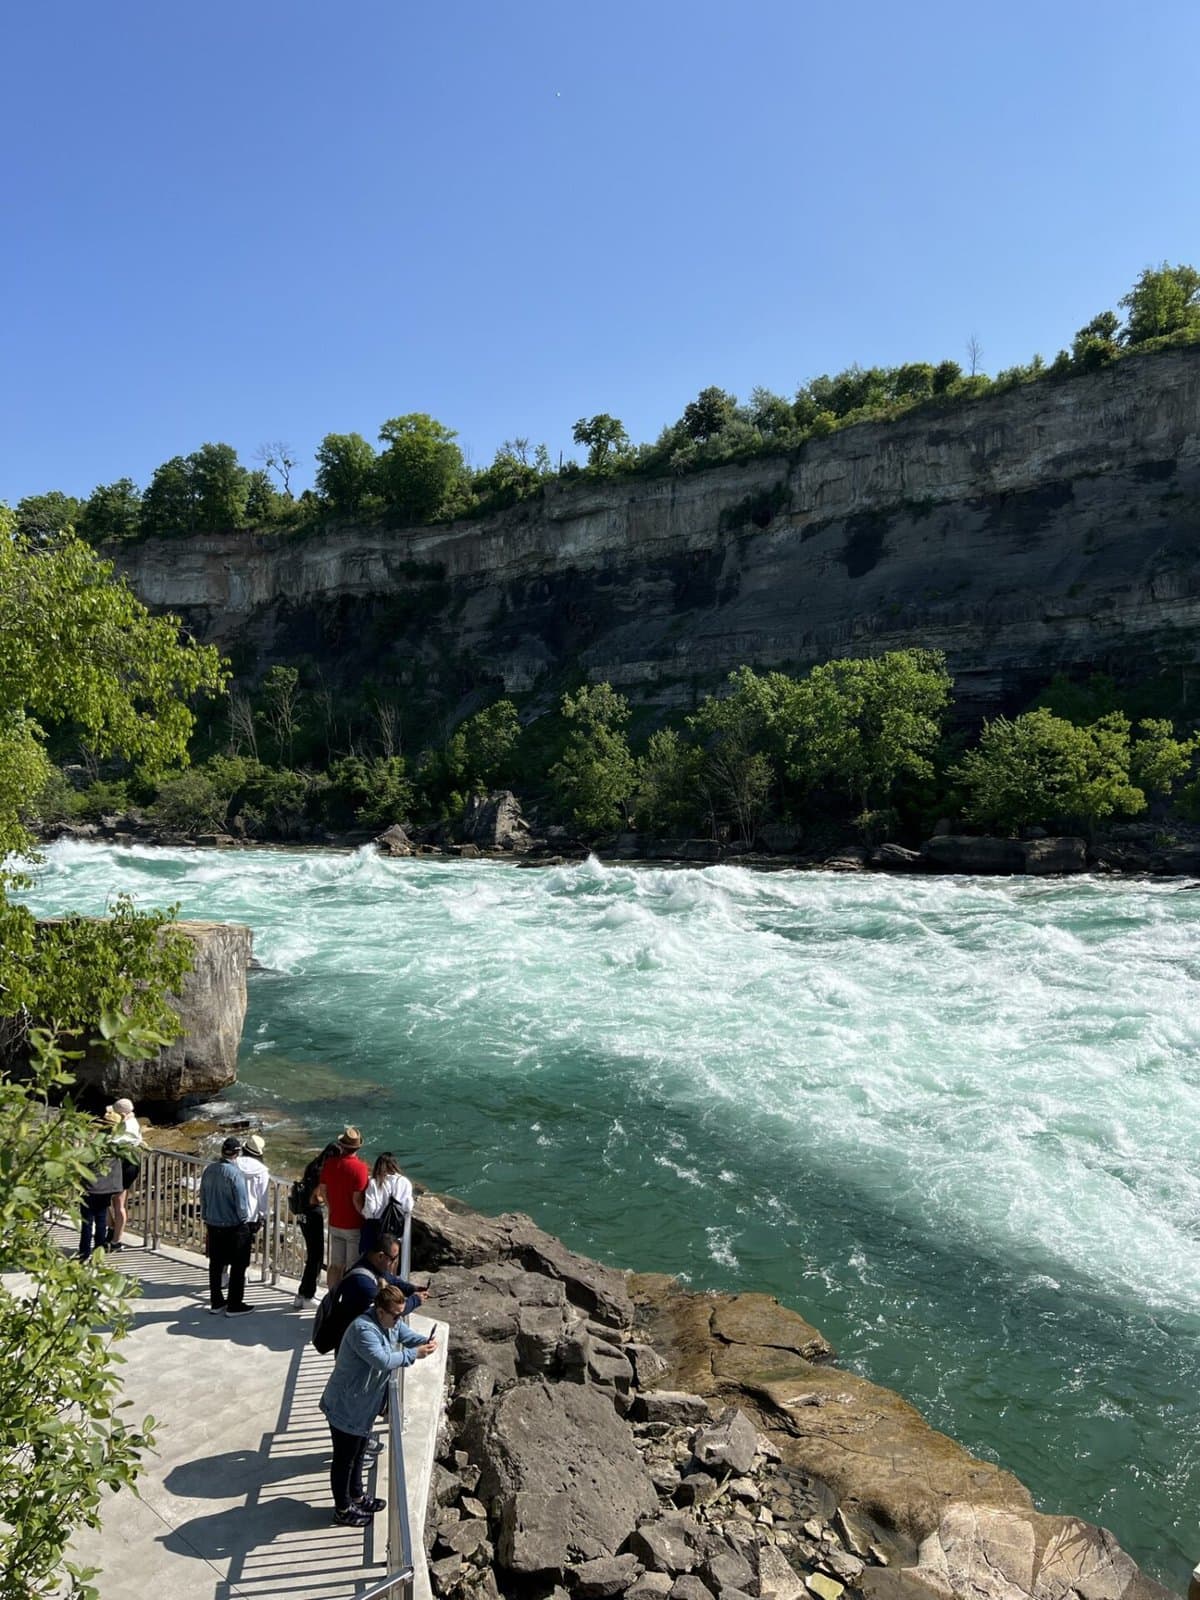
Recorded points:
610,1435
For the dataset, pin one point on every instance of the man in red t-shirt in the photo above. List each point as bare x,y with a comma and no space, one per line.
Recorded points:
344,1178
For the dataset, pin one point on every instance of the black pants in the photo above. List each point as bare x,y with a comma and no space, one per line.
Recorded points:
312,1226
346,1473
93,1218
229,1247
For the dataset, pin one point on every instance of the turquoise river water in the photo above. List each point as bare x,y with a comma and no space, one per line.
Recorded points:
953,1121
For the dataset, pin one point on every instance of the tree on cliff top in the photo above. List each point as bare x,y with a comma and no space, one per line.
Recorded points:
346,472
1164,300
76,647
420,468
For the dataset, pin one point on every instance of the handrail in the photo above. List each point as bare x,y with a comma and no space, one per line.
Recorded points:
164,1206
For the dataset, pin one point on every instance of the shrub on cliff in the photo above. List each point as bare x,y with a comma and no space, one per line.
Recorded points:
596,774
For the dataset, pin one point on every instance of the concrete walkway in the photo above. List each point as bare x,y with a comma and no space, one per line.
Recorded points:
235,1500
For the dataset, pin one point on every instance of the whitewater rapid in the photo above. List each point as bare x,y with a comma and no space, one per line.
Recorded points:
942,1114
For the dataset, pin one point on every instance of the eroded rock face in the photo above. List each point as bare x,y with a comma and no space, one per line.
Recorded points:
212,1008
495,822
563,1471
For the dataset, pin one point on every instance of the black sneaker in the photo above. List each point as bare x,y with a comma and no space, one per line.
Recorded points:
373,1445
369,1507
116,1245
238,1311
215,1311
352,1517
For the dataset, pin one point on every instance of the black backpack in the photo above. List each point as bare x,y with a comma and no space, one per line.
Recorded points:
334,1315
391,1218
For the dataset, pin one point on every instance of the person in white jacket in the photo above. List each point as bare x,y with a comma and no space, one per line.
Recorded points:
387,1202
127,1143
250,1163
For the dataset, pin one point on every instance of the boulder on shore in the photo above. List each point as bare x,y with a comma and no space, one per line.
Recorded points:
494,822
960,852
212,1007
394,841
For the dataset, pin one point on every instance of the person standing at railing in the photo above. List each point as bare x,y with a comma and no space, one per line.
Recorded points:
307,1203
374,1345
344,1179
387,1202
258,1180
128,1144
225,1212
93,1207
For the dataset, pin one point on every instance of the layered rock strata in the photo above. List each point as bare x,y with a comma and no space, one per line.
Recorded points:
608,1437
1053,527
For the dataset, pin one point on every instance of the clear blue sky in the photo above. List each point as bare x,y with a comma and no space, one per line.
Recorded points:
282,218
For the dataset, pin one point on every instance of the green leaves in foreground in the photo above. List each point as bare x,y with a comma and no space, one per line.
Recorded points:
65,1440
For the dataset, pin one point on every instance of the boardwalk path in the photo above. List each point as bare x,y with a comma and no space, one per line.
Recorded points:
235,1501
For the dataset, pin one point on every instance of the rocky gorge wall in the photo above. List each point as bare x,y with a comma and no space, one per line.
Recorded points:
1053,527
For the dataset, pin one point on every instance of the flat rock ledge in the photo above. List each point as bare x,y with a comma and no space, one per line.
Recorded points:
617,1436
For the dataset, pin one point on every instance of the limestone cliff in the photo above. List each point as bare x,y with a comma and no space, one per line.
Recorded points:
1052,527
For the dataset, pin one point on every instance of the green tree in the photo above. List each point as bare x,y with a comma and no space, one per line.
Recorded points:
596,774
670,784
1157,759
45,516
1040,769
1096,341
480,751
169,503
281,707
220,485
420,468
111,511
1164,300
709,413
75,646
264,503
345,472
860,725
605,439
374,791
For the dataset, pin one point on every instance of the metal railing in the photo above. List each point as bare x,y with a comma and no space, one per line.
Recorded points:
164,1207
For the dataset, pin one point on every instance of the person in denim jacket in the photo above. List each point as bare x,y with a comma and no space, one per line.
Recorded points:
373,1346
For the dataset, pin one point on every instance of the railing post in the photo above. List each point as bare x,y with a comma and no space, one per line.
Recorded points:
406,1247
399,1546
276,1240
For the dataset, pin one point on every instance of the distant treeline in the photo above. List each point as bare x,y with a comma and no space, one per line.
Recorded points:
861,743
419,474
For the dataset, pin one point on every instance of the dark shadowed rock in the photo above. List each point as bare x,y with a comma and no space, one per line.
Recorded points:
958,852
494,822
896,858
674,1543
727,1570
688,1586
394,841
563,1473
1043,856
596,1289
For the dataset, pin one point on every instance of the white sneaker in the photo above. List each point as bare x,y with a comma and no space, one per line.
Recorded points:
302,1302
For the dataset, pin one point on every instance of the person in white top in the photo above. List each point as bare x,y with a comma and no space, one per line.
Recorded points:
251,1164
388,1200
127,1142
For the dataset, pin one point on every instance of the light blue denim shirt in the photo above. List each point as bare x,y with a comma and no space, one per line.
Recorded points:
367,1354
223,1199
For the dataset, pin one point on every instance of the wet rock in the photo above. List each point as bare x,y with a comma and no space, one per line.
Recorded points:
896,858
730,1443
562,1474
394,841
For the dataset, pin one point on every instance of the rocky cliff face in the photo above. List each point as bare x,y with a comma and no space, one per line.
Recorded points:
1055,527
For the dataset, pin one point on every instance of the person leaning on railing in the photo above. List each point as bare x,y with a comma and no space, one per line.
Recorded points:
374,1345
307,1202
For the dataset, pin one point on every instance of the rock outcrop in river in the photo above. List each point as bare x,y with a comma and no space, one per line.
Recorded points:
614,1437
1049,528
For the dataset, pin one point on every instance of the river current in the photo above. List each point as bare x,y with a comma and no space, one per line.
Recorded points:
952,1121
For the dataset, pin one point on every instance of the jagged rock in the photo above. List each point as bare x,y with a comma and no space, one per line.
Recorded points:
475,1387
562,1474
444,1486
598,1290
727,1570
850,858
896,858
466,1537
1177,860
849,1534
445,1233
669,1544
688,1586
606,1575
1044,856
731,1442
670,1406
646,1361
734,1594
843,1565
743,1489
494,822
609,1368
445,1574
394,841
777,1578
539,1335
823,1587
697,1489
651,1586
